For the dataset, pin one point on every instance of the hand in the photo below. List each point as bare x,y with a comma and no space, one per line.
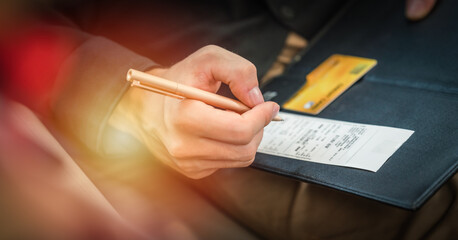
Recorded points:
418,9
194,138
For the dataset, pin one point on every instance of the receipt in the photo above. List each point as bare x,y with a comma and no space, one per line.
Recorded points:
332,142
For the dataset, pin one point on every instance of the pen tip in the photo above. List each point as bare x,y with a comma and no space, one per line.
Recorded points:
277,118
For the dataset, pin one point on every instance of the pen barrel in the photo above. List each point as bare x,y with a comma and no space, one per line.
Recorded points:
211,99
187,91
153,81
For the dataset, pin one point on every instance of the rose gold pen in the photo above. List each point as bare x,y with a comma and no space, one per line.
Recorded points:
172,89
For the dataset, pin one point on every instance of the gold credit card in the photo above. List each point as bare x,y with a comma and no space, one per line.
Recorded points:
328,81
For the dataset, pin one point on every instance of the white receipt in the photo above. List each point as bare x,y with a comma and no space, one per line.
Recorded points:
332,142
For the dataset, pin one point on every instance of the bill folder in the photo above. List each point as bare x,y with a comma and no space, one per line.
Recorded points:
414,86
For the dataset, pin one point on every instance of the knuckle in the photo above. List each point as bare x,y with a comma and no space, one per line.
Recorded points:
200,174
248,163
210,47
248,153
181,123
177,150
248,69
209,51
185,166
252,153
194,175
179,163
242,133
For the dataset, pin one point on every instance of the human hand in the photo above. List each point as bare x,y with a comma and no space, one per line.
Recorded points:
192,137
418,9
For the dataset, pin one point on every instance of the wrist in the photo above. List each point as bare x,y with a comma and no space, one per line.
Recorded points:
140,112
125,116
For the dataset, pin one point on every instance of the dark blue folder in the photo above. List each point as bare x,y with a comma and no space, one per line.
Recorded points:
414,86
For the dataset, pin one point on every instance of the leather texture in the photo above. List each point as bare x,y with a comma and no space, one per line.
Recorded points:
414,86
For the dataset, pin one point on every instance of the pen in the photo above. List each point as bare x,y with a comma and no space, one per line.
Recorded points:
173,89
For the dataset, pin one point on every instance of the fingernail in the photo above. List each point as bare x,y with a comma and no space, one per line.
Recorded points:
415,9
275,111
255,96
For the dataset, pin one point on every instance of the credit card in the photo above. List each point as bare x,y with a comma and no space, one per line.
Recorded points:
327,82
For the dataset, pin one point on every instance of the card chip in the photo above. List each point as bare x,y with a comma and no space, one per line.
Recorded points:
328,81
358,68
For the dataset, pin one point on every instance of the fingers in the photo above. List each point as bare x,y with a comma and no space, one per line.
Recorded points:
195,166
242,80
199,174
419,9
233,70
262,114
191,148
202,139
199,119
197,139
207,156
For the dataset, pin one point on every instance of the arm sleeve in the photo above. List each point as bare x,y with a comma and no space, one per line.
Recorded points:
91,81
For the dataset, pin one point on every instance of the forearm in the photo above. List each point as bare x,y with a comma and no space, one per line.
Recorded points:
94,83
71,76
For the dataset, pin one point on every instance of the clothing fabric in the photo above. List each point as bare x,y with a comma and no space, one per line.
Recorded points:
118,35
268,205
169,31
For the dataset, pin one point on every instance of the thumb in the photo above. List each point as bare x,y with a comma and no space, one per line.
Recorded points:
261,115
235,71
244,84
241,77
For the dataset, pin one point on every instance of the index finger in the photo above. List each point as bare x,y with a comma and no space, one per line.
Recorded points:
235,71
225,126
